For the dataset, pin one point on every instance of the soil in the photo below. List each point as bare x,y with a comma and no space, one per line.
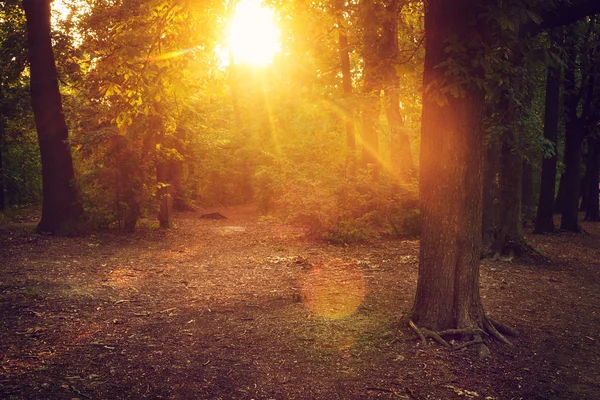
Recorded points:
249,308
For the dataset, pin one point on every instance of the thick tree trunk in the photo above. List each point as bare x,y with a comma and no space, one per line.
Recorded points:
451,182
592,212
544,221
60,208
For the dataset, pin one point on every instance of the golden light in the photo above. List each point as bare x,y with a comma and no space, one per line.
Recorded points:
334,290
253,34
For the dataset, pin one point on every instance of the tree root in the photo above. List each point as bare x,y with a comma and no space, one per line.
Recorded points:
491,328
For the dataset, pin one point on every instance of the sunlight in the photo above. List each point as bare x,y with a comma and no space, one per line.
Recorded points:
60,11
333,291
253,35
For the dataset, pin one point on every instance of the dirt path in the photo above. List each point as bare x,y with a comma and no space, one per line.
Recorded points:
246,308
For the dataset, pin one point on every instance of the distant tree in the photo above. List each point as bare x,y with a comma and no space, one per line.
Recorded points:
60,207
544,221
592,178
380,20
579,113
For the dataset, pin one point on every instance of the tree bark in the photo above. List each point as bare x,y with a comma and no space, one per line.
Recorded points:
544,221
451,181
60,208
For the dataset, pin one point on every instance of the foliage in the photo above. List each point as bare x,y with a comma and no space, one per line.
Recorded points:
20,162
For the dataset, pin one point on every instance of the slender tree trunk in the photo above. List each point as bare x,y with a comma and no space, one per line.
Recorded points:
371,90
509,236
490,195
544,221
592,212
583,192
2,188
347,86
451,182
528,203
60,208
572,175
401,156
559,202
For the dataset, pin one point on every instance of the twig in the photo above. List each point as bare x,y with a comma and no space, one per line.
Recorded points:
379,389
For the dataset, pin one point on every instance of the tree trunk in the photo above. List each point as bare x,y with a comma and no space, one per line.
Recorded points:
559,202
527,203
60,208
347,86
572,175
371,90
451,182
2,188
544,221
583,192
401,157
509,236
592,212
490,195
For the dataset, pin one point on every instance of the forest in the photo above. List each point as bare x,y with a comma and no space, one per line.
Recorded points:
292,199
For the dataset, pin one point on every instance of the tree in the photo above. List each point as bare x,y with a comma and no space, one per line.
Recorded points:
579,109
380,21
544,221
60,207
452,150
592,212
451,172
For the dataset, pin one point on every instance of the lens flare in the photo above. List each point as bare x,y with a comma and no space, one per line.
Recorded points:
334,290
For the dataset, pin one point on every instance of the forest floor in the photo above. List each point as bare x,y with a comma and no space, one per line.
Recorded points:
248,308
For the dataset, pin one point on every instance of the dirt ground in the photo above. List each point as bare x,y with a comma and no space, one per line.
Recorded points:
247,308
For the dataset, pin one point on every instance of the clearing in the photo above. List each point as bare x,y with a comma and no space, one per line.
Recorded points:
247,308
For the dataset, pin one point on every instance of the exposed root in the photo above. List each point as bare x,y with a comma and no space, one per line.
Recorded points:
435,336
426,333
419,333
503,328
476,340
462,332
491,329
